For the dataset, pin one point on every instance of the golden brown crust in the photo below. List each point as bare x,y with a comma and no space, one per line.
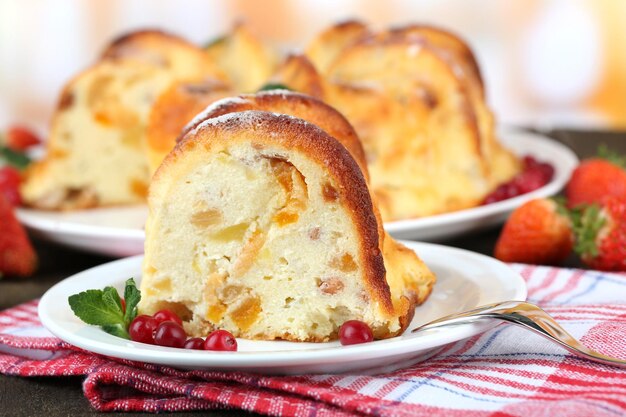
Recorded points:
298,73
265,128
294,104
163,49
444,39
172,110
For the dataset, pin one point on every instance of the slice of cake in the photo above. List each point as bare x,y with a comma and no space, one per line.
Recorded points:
96,150
415,97
246,60
262,224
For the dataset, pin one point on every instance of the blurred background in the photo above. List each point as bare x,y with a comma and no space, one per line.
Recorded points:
547,63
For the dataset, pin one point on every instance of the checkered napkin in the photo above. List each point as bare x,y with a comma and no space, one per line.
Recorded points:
504,372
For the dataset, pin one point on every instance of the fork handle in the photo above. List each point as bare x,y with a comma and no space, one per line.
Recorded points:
530,317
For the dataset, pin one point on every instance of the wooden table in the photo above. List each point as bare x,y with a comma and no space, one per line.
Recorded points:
64,397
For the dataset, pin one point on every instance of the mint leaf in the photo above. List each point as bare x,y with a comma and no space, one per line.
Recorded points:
104,308
273,86
215,41
11,157
116,330
91,307
132,296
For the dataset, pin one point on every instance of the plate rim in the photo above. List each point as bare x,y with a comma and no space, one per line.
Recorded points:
263,359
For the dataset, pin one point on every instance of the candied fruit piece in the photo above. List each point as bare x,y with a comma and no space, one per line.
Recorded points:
206,218
249,253
345,263
247,313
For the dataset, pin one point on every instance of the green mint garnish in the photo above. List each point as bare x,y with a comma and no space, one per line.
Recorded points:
215,41
104,308
274,86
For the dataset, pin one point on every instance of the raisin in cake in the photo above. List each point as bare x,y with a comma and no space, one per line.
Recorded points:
262,224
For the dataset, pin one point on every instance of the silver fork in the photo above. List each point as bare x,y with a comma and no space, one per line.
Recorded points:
529,317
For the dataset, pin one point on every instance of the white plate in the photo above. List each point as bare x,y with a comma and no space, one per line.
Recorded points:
465,280
119,231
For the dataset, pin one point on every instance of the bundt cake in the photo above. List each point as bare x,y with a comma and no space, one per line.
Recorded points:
262,224
247,61
96,152
415,97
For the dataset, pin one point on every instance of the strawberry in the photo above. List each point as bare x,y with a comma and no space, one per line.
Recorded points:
596,178
10,179
17,256
601,234
20,138
537,232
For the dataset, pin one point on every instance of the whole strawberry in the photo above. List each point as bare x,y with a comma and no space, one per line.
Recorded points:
537,232
596,178
601,234
20,138
17,257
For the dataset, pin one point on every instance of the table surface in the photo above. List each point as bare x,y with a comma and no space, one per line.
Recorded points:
56,396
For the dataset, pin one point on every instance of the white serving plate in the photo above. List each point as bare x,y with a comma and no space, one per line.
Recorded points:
465,280
119,231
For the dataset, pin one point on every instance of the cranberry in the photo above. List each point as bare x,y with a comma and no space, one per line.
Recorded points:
142,329
170,334
167,315
195,343
353,332
220,340
10,179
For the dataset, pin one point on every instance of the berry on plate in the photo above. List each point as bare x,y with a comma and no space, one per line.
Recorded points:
537,232
220,340
142,329
597,178
601,234
534,175
17,256
353,332
167,315
170,334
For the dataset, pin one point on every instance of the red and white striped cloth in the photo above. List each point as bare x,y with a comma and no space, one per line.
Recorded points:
504,372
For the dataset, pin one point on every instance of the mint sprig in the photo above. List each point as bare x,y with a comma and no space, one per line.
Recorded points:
104,308
273,86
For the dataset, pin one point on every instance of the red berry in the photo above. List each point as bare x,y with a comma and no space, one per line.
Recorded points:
142,329
195,343
170,334
167,315
10,179
535,175
220,340
20,138
536,233
353,332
